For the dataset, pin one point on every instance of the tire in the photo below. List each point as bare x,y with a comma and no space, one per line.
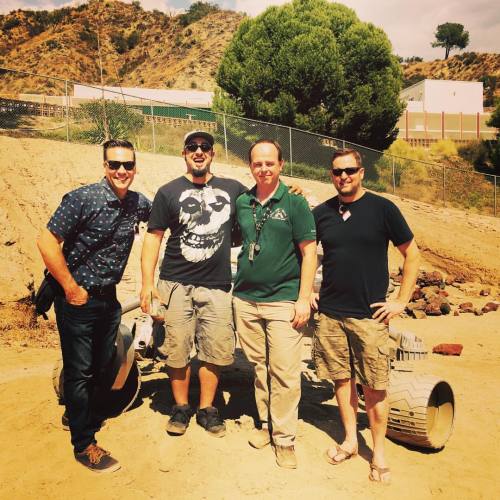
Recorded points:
421,410
58,380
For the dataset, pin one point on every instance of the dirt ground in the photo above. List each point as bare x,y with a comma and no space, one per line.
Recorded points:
36,457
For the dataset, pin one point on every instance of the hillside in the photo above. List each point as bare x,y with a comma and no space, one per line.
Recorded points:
139,48
469,66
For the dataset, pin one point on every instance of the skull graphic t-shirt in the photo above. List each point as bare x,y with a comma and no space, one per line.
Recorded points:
200,218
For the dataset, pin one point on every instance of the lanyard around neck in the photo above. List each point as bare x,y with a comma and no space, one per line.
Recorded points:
259,224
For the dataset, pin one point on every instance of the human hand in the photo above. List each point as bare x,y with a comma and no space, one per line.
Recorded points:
387,310
313,301
295,189
302,313
150,300
76,295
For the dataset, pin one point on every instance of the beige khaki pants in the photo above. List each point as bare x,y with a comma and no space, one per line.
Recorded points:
274,349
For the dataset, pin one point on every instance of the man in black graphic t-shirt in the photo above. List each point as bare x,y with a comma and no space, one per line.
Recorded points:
195,278
351,344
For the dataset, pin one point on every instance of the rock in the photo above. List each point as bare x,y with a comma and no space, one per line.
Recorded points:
490,307
466,307
433,308
430,291
443,293
456,313
429,279
448,349
445,307
417,294
485,292
417,305
418,314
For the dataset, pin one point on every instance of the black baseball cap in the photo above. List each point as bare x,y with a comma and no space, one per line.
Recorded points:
199,133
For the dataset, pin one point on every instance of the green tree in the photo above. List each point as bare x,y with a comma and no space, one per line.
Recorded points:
312,64
494,146
451,36
196,11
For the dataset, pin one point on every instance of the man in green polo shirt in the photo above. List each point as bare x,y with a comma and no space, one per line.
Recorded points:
276,268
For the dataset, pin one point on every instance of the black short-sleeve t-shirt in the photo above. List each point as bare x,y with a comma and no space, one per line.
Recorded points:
200,218
355,268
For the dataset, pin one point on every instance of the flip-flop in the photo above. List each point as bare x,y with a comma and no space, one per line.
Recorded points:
383,472
340,450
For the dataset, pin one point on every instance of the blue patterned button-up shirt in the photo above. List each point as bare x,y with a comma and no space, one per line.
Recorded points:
98,231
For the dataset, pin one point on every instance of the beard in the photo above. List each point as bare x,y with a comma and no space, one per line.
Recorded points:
200,173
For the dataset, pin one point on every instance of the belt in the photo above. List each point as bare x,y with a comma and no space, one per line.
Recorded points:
102,291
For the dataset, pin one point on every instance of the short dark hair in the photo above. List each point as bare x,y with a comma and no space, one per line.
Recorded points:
117,143
337,153
265,141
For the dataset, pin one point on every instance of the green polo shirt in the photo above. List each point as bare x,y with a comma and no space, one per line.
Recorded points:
274,274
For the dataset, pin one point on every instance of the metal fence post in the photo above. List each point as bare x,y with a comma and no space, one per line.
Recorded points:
225,135
67,109
495,196
444,186
153,124
393,177
291,153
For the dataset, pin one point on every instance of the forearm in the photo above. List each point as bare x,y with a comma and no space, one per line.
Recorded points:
410,273
51,252
307,271
149,257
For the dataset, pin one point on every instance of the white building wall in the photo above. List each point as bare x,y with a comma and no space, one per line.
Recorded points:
453,97
449,96
190,98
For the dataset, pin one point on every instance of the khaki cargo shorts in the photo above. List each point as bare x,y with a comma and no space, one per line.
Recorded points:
196,316
352,348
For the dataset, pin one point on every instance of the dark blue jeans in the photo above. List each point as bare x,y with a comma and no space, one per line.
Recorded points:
88,335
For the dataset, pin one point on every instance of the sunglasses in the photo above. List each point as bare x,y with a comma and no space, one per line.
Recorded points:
337,172
193,147
115,165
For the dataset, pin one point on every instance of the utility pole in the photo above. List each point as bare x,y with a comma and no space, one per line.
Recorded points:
105,118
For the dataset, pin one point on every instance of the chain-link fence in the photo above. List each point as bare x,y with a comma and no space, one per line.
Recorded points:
158,127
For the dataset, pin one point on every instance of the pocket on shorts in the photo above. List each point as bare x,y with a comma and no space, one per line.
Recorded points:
384,364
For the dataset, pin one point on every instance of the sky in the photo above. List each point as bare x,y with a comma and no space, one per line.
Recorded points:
409,25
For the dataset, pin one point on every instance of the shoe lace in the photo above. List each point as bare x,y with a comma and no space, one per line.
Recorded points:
95,453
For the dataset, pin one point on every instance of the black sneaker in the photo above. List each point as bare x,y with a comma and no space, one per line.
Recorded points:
179,420
97,459
210,420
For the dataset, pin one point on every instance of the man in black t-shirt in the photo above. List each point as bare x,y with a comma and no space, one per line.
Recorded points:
195,278
351,344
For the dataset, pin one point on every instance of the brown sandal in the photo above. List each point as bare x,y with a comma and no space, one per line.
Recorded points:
340,451
383,474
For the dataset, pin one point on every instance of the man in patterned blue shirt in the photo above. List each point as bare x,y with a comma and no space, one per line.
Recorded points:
96,224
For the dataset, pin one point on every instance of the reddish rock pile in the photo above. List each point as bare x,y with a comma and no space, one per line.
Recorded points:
430,297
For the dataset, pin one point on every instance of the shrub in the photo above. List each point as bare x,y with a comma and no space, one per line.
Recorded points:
11,23
475,153
119,42
444,148
133,39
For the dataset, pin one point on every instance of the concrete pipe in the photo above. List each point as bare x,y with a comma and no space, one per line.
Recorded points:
421,409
